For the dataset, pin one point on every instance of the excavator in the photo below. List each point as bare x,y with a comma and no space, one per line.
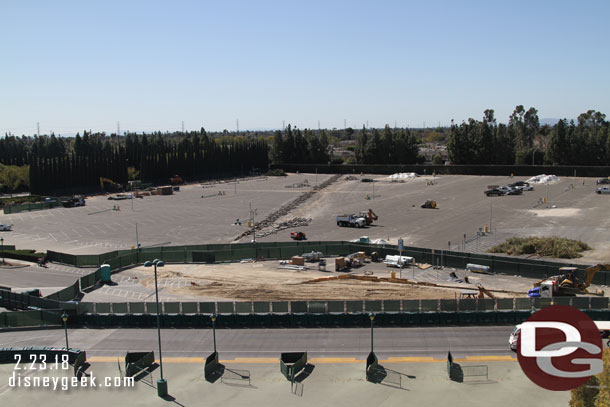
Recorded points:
566,283
369,216
113,185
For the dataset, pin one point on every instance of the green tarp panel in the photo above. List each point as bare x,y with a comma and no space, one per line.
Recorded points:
523,303
411,318
137,308
505,304
317,307
207,308
372,306
279,307
411,306
562,300
599,303
430,305
151,308
391,306
189,307
119,308
203,257
102,308
171,308
174,257
225,307
467,304
487,304
486,318
336,306
262,307
354,306
580,302
298,306
243,307
84,307
542,302
448,305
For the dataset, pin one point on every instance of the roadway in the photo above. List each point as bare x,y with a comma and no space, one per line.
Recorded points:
269,343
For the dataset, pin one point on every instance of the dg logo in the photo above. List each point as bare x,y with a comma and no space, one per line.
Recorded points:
560,348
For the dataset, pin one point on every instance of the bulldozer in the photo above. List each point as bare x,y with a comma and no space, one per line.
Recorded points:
566,283
429,204
369,216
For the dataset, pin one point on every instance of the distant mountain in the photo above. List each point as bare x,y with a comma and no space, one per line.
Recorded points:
550,122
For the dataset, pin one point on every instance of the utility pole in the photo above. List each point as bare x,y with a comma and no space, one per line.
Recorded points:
344,124
182,126
118,128
252,215
318,125
237,125
38,129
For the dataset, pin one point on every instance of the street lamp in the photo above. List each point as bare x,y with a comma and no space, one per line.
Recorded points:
64,317
161,383
213,318
372,317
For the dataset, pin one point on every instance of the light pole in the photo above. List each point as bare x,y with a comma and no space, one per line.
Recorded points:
64,317
213,318
161,383
372,317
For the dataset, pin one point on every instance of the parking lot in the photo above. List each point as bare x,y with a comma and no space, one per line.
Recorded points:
572,210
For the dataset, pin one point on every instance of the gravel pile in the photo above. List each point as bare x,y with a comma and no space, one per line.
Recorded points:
284,210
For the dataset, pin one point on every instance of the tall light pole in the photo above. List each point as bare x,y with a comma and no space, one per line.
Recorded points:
161,383
64,317
213,318
372,317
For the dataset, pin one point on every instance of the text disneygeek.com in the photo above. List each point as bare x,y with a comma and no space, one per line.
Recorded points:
16,380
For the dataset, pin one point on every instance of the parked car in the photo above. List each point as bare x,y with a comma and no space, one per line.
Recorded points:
494,192
524,186
603,190
603,181
513,338
5,228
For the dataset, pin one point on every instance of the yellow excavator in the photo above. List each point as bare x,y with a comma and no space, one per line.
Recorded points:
566,283
113,186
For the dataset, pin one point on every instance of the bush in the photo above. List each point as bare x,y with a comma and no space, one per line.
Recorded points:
276,173
350,160
336,161
557,247
438,160
15,178
19,199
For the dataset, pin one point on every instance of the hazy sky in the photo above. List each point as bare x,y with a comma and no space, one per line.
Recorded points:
150,65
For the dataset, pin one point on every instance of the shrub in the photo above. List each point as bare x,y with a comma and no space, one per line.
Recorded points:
276,173
558,247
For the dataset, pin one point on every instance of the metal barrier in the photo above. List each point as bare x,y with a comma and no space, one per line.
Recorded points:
138,362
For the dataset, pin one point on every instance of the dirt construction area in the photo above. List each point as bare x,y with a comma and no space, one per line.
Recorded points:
271,281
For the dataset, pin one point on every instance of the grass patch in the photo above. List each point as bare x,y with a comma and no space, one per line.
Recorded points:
557,247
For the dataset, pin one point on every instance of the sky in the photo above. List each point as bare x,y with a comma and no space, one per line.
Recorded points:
152,65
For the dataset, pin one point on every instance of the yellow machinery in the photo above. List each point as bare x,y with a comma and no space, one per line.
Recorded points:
115,186
566,282
369,216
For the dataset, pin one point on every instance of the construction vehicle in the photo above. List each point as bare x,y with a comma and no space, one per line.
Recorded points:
112,186
566,283
351,220
176,180
369,216
298,236
429,204
71,202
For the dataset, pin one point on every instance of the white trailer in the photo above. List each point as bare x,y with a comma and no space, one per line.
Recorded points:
398,261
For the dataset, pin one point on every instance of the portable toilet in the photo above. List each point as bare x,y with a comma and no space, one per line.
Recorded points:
105,273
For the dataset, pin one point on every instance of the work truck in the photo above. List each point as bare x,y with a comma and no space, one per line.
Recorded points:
351,220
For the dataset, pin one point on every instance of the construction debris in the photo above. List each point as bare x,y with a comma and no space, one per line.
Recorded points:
403,175
285,210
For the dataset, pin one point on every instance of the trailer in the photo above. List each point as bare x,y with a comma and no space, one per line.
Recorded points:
398,261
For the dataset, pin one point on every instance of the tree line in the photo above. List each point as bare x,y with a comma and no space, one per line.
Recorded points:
524,141
62,163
